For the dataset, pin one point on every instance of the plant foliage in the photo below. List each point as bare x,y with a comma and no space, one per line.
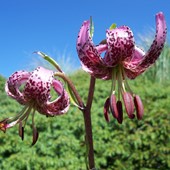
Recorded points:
134,145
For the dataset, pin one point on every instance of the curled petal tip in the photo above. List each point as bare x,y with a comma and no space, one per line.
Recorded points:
83,35
157,45
160,14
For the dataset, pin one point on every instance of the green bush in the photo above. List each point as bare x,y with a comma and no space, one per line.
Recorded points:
134,145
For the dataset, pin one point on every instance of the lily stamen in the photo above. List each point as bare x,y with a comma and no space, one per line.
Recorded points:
122,60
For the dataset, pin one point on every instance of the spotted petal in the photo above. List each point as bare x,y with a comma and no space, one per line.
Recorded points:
13,84
120,43
61,104
130,67
38,86
158,43
153,53
90,55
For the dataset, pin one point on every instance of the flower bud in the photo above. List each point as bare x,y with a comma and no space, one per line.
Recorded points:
106,109
113,106
120,111
129,105
139,107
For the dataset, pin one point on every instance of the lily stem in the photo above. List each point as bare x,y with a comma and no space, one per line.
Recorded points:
88,124
86,114
65,78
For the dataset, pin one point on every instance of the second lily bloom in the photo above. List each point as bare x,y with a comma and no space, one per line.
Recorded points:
122,60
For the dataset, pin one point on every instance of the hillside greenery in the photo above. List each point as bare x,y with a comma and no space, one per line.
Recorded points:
134,145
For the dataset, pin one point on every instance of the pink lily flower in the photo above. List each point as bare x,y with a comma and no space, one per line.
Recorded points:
35,96
122,60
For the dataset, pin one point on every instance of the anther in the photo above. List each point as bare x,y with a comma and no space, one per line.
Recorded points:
129,104
139,107
106,109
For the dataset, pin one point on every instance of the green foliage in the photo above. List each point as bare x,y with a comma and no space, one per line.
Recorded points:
134,145
161,69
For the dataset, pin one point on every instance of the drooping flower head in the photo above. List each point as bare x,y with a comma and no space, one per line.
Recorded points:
35,96
122,60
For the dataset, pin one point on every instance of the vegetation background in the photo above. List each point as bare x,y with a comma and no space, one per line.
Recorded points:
134,145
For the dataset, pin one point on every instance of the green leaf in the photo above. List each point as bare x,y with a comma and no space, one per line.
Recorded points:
91,27
113,26
50,60
72,97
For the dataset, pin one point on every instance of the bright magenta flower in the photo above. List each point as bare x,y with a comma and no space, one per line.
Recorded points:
122,60
35,96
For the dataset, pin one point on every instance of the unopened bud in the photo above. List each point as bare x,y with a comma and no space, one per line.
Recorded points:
129,105
106,109
139,107
113,106
120,111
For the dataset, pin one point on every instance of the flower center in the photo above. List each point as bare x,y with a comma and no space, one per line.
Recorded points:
119,78
120,89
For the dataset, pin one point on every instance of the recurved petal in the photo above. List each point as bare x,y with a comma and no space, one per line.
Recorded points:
89,54
131,67
85,46
96,70
13,84
157,46
120,43
137,57
38,85
61,104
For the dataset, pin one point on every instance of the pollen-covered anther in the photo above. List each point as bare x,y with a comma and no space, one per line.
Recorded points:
106,109
2,127
129,104
139,107
113,106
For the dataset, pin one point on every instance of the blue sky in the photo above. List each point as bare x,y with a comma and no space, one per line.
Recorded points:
52,26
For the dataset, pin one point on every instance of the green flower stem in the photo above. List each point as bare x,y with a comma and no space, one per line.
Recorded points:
88,124
86,114
69,82
50,60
